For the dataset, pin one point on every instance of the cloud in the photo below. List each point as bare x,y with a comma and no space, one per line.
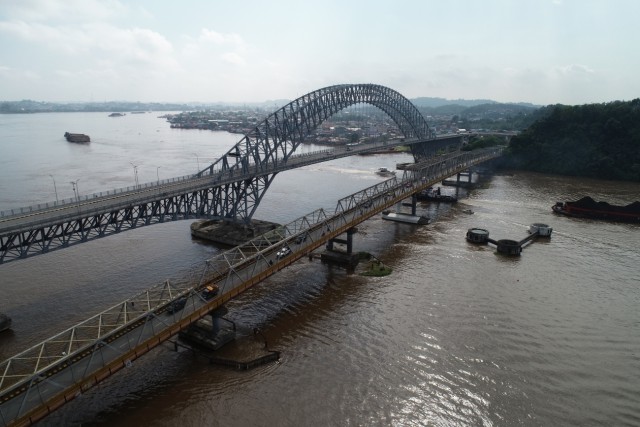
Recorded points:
230,47
92,41
233,58
573,70
62,10
210,36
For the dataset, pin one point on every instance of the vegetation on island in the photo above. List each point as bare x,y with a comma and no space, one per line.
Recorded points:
373,267
594,140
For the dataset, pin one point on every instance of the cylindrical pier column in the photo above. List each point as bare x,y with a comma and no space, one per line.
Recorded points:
509,247
478,235
543,230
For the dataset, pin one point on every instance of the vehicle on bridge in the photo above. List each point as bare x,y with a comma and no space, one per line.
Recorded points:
177,305
286,250
210,291
302,238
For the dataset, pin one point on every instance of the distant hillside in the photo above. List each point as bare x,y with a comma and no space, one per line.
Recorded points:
595,140
439,102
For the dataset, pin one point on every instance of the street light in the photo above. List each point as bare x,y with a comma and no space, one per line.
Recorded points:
135,173
54,187
158,174
197,160
76,189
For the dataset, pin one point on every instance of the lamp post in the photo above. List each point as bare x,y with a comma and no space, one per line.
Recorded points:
197,160
135,173
76,191
54,187
158,174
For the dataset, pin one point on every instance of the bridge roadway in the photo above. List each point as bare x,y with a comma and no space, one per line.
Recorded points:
38,229
43,378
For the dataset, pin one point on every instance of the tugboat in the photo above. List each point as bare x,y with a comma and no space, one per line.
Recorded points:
5,322
435,196
385,172
589,208
406,218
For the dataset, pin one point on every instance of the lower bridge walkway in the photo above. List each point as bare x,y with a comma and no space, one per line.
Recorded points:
43,378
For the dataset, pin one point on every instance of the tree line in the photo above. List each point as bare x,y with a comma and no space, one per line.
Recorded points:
594,140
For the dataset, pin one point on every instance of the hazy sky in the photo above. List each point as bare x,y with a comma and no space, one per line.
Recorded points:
539,51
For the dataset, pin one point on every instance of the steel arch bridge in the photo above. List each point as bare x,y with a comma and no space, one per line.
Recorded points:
229,189
276,138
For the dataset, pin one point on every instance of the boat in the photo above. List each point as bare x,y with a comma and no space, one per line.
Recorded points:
116,114
406,218
589,208
77,137
435,196
385,172
5,322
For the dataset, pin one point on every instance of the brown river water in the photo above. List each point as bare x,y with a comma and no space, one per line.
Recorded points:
456,335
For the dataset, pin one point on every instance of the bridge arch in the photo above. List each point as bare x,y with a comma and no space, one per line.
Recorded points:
276,138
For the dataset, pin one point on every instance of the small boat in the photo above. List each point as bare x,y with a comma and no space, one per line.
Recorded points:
77,137
406,218
385,172
435,196
116,114
5,322
589,208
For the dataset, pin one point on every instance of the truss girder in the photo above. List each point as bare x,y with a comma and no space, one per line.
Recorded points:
275,139
254,161
99,346
217,202
427,149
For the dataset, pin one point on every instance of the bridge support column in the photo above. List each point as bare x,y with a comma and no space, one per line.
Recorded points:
468,173
414,202
216,315
348,241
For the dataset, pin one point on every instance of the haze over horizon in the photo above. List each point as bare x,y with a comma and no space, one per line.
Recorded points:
540,52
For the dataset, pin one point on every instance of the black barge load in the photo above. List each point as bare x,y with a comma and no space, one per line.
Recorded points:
77,137
589,208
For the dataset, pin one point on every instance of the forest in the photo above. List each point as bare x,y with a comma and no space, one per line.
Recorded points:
593,140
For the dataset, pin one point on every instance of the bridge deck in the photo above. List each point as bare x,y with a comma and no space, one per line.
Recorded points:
42,228
39,380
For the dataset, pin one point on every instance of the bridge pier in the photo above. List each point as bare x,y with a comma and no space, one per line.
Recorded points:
348,241
459,181
209,333
348,259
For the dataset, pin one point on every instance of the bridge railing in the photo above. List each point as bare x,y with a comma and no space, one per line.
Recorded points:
218,172
234,270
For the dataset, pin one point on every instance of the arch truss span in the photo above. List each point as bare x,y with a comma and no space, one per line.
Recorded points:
271,143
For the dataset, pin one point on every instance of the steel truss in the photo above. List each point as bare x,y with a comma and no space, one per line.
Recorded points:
49,374
274,140
248,170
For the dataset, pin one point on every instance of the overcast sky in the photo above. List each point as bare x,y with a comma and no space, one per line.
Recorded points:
538,51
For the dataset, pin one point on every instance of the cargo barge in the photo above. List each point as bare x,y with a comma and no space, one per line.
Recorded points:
589,208
77,137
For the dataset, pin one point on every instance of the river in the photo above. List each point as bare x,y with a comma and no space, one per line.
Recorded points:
457,335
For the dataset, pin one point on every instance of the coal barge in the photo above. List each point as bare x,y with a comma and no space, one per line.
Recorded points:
589,208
